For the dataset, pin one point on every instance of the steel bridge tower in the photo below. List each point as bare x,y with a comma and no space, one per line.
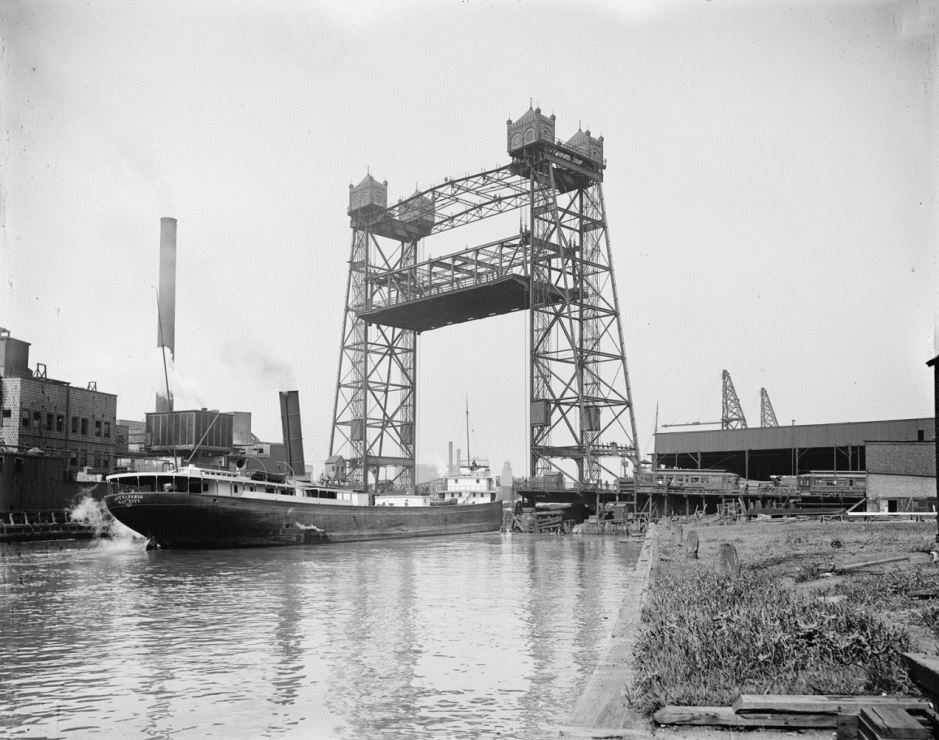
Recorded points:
558,268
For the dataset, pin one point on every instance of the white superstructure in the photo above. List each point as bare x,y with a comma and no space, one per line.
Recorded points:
473,484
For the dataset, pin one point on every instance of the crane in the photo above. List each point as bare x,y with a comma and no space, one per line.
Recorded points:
731,412
767,415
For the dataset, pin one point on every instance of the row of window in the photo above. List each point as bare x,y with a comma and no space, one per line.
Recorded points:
83,460
56,423
77,460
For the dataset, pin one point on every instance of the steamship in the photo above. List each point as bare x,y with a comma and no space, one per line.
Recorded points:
194,507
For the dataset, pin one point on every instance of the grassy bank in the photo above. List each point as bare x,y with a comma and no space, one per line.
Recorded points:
777,627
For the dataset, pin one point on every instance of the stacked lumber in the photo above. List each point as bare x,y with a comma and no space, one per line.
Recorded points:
841,713
880,723
924,672
532,521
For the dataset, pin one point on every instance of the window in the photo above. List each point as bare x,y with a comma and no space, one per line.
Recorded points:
7,413
74,425
26,419
59,423
107,429
49,418
37,419
97,427
84,426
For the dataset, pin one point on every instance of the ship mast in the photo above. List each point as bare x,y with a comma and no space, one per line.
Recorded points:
468,458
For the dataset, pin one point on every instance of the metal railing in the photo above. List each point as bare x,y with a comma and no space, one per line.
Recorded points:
458,271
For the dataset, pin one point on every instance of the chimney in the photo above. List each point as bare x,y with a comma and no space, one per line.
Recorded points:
166,303
293,436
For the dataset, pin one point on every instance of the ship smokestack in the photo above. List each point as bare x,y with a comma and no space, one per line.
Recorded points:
450,460
166,304
293,436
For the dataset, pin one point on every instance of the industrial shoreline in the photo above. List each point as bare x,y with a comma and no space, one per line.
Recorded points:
809,557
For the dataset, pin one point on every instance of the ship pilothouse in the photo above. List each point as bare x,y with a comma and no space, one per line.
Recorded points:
473,483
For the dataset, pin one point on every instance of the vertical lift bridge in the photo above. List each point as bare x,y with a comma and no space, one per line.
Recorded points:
558,268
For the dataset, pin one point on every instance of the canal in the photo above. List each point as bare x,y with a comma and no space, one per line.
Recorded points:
473,636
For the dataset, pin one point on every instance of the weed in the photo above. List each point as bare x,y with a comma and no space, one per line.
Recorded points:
708,638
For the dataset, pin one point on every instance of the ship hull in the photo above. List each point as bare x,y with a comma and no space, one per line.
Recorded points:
191,521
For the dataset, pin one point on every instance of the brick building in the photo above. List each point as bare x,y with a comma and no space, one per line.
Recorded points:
901,476
75,424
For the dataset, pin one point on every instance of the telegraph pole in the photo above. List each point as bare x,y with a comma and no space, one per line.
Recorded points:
934,364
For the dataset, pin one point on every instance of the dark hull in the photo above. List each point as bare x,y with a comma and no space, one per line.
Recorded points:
179,520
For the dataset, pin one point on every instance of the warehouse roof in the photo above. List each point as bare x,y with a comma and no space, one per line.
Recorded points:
802,436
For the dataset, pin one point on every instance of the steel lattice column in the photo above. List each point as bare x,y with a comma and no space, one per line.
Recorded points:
374,410
579,378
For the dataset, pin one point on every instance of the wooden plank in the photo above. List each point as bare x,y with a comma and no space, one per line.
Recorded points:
924,671
871,563
727,717
847,727
821,704
891,722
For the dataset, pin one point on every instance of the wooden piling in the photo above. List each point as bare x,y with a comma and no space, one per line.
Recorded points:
728,564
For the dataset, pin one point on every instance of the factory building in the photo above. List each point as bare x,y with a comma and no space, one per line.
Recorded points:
52,416
765,452
202,436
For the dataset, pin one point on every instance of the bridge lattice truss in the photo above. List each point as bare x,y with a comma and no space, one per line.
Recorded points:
558,268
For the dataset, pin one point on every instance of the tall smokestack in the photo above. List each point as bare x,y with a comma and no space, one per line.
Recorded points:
166,304
293,436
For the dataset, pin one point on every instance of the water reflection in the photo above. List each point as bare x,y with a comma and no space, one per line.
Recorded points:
455,637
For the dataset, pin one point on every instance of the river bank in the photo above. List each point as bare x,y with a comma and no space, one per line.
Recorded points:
798,617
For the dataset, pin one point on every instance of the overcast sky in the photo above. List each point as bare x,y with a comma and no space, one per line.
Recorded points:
771,192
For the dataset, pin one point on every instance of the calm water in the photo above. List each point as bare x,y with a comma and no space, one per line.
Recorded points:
475,636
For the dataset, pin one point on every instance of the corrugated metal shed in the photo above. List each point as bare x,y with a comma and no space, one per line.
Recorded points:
802,436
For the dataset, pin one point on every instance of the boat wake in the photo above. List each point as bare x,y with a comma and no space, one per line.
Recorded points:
109,531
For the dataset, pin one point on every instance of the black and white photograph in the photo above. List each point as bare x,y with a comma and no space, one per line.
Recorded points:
469,369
